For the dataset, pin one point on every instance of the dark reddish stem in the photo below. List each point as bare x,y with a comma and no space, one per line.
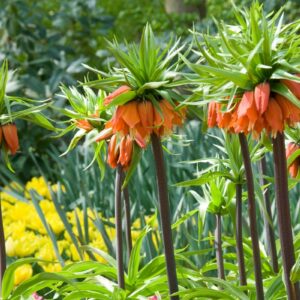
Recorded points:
218,245
239,235
118,220
165,215
127,221
283,213
2,247
268,225
252,217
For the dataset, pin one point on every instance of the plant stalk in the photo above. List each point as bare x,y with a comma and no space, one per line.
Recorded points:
165,215
127,221
239,234
218,246
2,247
118,220
252,217
267,214
283,213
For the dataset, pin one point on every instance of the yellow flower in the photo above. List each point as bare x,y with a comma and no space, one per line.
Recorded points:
99,244
46,252
40,186
47,206
22,273
55,188
10,247
26,245
14,229
53,268
55,223
74,254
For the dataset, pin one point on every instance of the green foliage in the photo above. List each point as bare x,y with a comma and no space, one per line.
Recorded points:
47,41
257,48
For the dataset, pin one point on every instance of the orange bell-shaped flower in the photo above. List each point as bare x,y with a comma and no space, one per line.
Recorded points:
261,96
274,118
247,108
10,137
146,113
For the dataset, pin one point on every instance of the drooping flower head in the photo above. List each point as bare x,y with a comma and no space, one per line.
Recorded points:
252,74
9,135
12,108
142,97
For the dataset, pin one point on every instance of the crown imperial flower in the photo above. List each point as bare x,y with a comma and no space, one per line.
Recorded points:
9,135
136,121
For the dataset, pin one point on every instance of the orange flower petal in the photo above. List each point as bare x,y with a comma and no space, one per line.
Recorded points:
157,118
261,96
245,103
291,113
212,114
273,117
141,136
242,125
168,113
10,136
121,90
122,154
293,86
247,108
146,113
129,149
294,168
84,124
117,123
259,126
112,157
130,114
224,120
179,116
290,149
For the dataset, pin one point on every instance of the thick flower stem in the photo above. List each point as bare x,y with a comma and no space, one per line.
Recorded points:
218,245
252,217
118,218
165,215
283,214
239,235
269,230
127,221
2,248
